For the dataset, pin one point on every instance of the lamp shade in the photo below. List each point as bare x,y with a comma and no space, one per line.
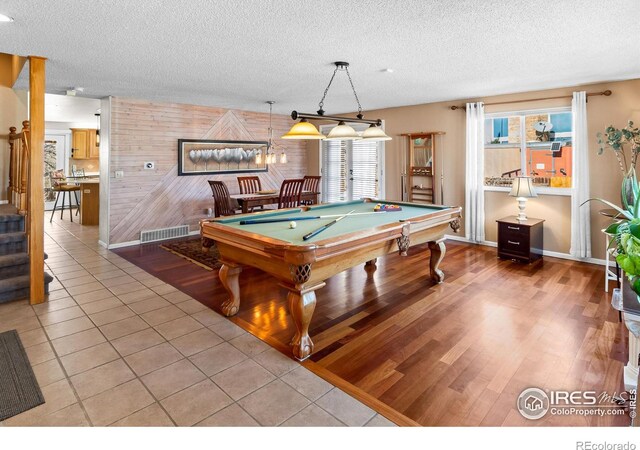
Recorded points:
342,132
523,187
303,130
375,133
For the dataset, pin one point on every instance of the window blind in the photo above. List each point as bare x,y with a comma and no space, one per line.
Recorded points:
351,169
334,171
364,169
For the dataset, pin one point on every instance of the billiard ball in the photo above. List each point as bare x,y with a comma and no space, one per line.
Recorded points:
292,224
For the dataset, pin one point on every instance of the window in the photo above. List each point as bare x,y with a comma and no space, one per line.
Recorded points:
545,153
351,169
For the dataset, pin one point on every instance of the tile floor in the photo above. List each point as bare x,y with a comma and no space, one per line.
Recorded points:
115,346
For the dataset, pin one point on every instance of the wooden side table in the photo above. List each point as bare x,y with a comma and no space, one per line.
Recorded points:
521,241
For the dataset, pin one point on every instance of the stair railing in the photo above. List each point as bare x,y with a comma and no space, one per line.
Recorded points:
19,167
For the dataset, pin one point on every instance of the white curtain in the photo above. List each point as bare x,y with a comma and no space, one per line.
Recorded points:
474,195
580,215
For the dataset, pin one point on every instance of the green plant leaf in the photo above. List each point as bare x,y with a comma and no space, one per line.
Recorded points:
634,229
613,228
626,214
634,281
626,264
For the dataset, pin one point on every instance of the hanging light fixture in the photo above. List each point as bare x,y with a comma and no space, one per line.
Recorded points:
97,129
270,157
375,133
344,132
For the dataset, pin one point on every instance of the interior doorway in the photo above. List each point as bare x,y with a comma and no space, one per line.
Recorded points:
71,149
57,150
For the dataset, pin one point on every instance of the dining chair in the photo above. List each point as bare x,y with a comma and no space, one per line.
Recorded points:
311,183
290,193
59,185
249,185
221,198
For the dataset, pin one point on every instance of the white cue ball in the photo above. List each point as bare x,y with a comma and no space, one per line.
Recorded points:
292,224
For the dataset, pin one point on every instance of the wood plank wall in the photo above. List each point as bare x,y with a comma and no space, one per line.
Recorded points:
147,131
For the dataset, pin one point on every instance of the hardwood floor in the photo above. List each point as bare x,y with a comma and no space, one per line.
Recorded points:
454,354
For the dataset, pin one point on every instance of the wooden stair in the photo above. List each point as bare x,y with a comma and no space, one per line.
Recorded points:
14,260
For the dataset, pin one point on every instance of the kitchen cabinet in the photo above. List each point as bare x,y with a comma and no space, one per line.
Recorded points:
89,201
83,143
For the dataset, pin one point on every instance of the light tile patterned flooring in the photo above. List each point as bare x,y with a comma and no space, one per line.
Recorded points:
116,346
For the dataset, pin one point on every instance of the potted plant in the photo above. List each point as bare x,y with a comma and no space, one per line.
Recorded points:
625,231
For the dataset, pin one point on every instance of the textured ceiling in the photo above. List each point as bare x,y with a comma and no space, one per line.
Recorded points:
63,108
238,54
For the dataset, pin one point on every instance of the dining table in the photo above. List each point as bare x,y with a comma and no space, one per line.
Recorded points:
249,201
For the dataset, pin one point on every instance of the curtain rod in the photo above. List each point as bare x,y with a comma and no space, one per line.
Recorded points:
605,93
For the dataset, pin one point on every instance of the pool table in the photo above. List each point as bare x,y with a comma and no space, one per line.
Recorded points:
303,266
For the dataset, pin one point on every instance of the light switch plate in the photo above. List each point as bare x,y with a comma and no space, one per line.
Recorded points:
149,165
540,166
119,173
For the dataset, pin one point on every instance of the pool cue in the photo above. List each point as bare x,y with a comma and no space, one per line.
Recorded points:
288,219
306,237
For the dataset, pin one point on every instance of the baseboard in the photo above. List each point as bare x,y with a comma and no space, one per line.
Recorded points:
103,244
597,261
124,244
137,242
4,202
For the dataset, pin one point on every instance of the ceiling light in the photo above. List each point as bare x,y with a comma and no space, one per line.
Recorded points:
389,70
305,130
270,157
375,133
342,132
97,129
4,18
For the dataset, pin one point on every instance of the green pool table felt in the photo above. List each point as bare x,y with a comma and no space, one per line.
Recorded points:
350,224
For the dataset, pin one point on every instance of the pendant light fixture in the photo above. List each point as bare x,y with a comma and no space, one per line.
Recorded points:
341,132
97,129
270,157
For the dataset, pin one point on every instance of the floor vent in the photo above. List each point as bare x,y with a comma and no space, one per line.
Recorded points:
163,233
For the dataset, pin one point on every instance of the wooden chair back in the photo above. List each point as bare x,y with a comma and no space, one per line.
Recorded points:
221,198
311,184
249,185
290,193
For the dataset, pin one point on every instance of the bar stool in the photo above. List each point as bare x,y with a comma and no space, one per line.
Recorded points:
77,173
59,185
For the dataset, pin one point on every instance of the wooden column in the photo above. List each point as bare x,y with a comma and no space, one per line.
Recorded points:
36,178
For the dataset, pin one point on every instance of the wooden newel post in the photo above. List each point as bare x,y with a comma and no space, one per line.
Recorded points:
24,170
36,178
12,165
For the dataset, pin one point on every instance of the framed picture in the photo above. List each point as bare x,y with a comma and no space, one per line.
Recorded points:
201,157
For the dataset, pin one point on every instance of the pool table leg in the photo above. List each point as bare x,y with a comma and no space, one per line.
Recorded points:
229,275
371,262
437,254
302,303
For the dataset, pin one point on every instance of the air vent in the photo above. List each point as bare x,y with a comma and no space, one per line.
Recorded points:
163,233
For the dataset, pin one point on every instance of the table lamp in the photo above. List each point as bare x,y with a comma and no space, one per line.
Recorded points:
522,188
